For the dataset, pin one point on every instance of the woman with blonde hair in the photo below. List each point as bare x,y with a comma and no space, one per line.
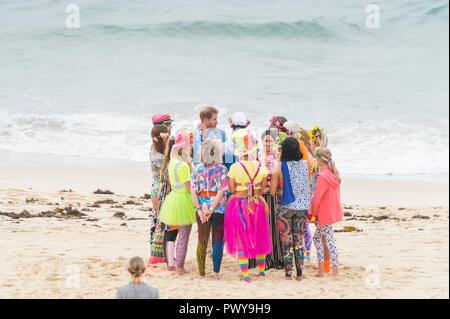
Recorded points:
170,232
209,184
326,207
246,229
178,207
316,138
137,289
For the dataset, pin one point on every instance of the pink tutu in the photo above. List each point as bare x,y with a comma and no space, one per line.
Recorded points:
246,226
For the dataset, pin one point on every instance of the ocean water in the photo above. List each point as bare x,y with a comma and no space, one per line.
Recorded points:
381,94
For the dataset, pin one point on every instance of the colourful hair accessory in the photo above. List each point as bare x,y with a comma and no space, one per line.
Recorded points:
136,280
163,135
315,133
276,122
244,141
316,153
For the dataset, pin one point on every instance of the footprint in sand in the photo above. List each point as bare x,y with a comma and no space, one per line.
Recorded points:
54,277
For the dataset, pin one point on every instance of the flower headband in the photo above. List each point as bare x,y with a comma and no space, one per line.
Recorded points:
163,135
276,122
315,133
317,155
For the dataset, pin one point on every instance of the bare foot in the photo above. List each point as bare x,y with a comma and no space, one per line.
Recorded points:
216,276
171,268
181,271
334,271
288,272
202,276
299,278
320,274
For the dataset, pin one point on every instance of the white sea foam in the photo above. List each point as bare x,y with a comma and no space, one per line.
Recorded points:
366,148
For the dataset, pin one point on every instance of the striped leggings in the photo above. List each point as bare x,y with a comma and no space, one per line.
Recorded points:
243,264
328,233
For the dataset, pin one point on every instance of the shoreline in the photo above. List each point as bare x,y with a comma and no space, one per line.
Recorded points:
136,181
52,173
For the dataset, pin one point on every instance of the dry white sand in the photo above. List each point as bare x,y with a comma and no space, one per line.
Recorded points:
401,255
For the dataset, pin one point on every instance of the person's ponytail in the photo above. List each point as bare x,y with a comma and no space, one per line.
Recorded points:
333,169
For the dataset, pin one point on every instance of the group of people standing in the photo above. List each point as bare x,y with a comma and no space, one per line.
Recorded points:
257,198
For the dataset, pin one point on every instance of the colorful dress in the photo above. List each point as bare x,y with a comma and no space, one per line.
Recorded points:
178,207
246,218
157,252
207,182
156,162
247,230
275,258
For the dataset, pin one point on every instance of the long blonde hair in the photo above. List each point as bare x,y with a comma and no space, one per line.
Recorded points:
325,154
167,152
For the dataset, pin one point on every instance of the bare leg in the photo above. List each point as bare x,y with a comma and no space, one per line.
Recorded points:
320,272
326,252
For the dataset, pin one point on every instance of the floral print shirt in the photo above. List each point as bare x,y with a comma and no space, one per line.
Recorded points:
213,179
156,160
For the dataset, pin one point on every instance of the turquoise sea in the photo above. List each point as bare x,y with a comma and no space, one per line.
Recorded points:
381,94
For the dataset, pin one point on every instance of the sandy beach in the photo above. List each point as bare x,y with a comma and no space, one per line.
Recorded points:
54,229
83,85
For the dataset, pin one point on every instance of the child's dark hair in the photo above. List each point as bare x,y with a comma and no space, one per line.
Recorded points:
290,150
264,134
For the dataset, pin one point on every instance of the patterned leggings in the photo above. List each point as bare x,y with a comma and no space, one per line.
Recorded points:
153,225
307,241
182,246
291,224
216,223
328,233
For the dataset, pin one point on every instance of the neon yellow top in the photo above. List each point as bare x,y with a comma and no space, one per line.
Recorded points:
179,174
243,182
